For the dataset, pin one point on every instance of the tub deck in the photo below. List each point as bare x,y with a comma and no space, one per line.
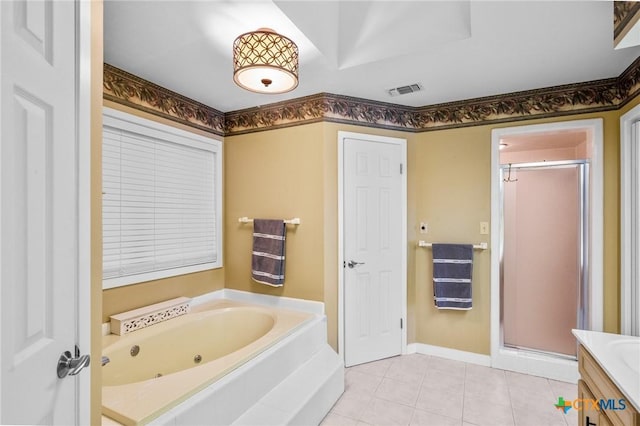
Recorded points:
142,401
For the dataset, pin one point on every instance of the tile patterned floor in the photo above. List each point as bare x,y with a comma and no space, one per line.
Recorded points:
425,390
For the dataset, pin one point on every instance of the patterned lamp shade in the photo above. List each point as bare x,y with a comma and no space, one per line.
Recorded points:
265,62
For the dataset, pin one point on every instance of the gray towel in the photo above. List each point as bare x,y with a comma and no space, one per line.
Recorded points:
452,268
267,260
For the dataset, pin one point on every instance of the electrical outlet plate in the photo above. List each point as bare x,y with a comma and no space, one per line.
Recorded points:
424,227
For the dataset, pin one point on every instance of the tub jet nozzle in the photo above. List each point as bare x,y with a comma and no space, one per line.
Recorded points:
135,350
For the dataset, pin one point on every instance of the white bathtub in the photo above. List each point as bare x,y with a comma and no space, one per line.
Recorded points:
177,358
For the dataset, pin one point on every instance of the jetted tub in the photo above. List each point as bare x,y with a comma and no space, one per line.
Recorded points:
155,368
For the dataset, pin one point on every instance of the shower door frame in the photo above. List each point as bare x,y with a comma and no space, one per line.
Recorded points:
582,319
527,361
629,223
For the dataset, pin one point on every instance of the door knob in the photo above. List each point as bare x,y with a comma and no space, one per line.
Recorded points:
353,264
70,365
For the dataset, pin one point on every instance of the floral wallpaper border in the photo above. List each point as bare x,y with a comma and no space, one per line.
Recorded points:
624,13
127,89
593,96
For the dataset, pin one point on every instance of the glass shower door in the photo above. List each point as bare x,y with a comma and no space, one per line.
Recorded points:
542,272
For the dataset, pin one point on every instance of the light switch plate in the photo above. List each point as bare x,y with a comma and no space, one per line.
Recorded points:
484,228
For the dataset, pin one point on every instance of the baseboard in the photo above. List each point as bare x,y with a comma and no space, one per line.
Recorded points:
454,354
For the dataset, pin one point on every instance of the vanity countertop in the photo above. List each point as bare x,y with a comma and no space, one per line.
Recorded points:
619,357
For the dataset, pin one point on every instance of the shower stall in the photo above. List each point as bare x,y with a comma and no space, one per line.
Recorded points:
544,255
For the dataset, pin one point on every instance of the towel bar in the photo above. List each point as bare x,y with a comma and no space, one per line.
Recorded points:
294,221
481,246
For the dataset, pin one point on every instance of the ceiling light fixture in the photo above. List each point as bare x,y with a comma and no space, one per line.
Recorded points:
502,146
265,62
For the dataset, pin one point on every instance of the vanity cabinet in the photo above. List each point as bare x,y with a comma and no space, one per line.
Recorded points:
595,385
587,415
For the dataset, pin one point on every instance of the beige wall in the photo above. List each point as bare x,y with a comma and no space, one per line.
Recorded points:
284,173
449,172
122,299
292,172
276,174
449,186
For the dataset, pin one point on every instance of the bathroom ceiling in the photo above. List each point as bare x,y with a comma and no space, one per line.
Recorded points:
454,50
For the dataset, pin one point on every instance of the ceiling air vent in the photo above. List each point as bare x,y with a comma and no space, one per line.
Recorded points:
403,90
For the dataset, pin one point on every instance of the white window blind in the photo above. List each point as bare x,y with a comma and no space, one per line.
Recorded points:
160,209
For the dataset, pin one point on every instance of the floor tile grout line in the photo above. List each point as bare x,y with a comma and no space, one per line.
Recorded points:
424,376
415,403
464,391
359,419
373,394
414,406
566,422
401,403
513,412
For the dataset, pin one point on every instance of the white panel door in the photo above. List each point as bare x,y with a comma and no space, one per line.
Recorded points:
372,235
38,221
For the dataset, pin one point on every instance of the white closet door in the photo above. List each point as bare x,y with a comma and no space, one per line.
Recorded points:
372,250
